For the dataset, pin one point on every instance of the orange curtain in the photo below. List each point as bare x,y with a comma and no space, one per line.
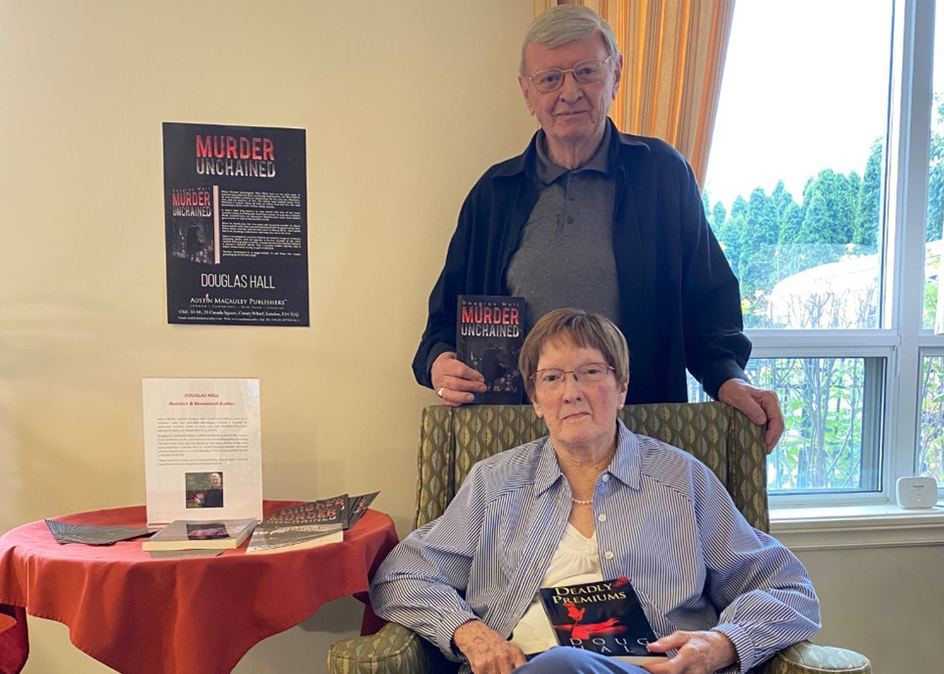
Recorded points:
673,57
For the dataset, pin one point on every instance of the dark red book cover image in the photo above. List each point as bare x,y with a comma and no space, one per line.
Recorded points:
605,617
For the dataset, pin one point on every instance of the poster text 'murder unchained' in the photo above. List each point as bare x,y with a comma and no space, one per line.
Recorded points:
241,156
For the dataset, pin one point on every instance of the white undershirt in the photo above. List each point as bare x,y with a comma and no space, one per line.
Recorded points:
576,560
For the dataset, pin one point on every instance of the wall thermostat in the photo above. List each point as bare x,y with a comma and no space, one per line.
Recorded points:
916,492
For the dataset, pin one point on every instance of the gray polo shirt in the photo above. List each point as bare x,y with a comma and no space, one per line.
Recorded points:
565,258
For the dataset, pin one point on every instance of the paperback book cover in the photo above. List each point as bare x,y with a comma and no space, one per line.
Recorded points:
195,229
274,537
90,534
605,617
489,335
332,510
194,535
308,525
357,506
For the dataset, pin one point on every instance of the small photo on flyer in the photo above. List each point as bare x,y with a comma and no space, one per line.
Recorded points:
204,490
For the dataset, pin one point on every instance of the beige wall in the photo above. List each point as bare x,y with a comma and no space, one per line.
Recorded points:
405,105
885,602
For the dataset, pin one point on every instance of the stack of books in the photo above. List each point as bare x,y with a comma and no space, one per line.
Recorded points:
293,528
309,525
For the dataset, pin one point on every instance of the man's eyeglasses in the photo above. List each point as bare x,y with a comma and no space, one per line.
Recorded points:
552,379
585,72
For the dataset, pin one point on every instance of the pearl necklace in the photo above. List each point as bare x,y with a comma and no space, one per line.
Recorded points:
579,502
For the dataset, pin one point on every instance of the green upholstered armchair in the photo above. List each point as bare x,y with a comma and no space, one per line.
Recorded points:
453,439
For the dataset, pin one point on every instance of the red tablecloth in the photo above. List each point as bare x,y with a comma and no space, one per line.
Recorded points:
143,616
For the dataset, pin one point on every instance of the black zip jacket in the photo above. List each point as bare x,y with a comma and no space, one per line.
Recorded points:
679,299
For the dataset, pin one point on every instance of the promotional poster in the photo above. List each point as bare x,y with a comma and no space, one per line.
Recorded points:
202,449
236,221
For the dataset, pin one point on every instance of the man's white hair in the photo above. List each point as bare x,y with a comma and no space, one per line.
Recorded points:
566,23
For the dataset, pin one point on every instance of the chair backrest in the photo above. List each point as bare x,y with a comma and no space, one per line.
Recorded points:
453,439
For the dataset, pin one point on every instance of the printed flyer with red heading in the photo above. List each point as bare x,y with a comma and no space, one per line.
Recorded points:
236,220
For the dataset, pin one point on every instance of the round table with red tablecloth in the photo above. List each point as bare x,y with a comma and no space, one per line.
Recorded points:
139,615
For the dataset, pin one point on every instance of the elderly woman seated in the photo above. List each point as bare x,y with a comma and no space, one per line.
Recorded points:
593,502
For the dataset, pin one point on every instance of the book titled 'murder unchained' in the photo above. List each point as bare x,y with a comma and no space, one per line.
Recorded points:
489,336
605,617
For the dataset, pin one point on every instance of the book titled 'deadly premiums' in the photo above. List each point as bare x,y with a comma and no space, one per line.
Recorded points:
194,535
489,335
605,617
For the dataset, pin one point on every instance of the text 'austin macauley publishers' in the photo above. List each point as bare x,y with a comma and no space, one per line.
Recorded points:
236,220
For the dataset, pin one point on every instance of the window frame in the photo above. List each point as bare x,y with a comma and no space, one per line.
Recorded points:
933,349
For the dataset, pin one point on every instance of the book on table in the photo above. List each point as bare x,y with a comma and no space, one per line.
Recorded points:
194,535
91,534
332,510
605,617
341,509
309,525
275,537
357,506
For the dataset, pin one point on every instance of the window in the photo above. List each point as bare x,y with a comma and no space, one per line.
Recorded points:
825,186
833,416
796,168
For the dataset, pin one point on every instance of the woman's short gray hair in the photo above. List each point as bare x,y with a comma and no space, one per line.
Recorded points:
566,23
584,329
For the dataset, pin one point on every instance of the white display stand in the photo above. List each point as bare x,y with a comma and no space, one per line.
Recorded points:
203,449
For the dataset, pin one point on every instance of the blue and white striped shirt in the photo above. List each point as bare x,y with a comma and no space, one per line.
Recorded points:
662,519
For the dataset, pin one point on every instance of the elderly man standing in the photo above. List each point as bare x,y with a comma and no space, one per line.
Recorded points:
609,222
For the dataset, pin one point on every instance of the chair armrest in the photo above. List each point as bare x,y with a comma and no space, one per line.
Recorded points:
807,658
393,649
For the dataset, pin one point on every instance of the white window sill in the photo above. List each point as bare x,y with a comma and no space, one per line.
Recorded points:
845,527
